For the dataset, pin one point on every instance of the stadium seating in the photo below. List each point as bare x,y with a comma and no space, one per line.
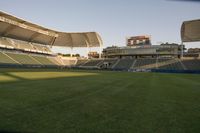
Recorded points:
92,63
27,59
141,63
68,62
96,63
55,60
170,64
22,45
145,64
81,62
17,58
111,63
43,60
192,64
4,59
23,58
17,52
124,64
4,43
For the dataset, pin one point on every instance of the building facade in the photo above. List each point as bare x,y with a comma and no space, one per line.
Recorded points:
142,51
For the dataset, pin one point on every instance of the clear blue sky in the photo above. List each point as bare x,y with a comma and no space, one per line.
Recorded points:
112,19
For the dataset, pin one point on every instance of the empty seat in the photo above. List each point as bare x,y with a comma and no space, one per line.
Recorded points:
124,64
110,62
44,60
145,64
92,63
23,58
170,64
192,64
54,60
4,59
81,62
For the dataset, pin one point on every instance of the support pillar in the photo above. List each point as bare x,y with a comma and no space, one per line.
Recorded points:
87,52
100,50
71,53
181,49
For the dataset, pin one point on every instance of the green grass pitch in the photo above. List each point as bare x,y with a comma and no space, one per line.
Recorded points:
66,101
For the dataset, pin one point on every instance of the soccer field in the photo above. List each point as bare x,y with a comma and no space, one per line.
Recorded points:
40,101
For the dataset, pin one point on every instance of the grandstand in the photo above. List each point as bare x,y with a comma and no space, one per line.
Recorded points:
15,44
21,59
21,53
130,64
29,46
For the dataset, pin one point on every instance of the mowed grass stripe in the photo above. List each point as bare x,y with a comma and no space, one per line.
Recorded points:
104,102
91,90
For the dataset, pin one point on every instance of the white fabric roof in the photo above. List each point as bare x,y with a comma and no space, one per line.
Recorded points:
85,39
190,31
16,28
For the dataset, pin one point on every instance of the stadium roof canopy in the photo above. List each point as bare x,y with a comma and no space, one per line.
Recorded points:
190,31
16,28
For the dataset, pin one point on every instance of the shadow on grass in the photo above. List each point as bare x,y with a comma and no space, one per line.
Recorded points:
17,75
42,87
8,131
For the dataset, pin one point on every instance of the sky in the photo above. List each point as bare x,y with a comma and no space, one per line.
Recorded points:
114,20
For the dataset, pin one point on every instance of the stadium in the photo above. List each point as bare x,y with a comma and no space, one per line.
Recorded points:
139,87
24,44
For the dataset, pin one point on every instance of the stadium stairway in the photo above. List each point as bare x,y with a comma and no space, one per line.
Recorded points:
111,63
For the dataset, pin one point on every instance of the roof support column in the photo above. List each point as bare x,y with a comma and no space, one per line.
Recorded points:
100,50
182,49
71,53
88,51
71,39
100,44
52,42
